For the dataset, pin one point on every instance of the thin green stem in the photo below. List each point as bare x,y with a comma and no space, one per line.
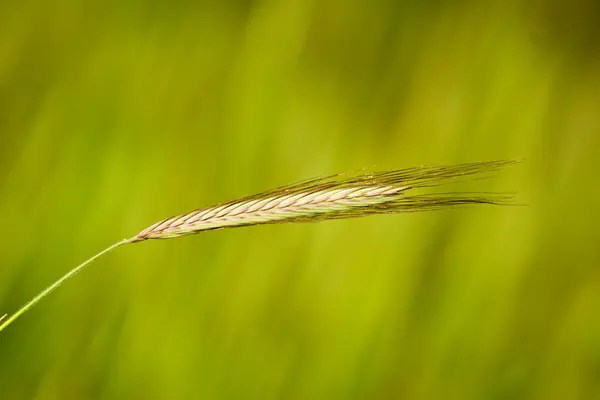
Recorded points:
56,284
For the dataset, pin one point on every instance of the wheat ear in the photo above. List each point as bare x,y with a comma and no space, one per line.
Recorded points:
331,197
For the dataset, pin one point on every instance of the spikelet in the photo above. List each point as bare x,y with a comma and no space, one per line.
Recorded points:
333,197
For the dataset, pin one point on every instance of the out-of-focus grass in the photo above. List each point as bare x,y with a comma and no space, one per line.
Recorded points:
117,114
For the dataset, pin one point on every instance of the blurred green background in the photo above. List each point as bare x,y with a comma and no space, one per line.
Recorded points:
116,114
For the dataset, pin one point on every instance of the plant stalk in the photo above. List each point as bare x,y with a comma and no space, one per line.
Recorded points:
56,284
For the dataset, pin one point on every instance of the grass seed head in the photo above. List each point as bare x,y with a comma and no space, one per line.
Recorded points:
334,197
